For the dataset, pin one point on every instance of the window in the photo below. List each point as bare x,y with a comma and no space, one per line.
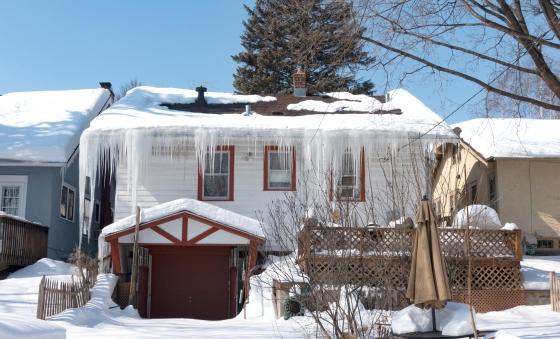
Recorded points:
279,169
215,180
472,193
350,184
492,189
97,212
87,207
67,198
13,190
545,244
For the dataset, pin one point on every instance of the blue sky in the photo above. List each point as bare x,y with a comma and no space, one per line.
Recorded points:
73,44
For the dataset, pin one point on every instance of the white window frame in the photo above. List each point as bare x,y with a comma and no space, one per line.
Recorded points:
73,189
16,180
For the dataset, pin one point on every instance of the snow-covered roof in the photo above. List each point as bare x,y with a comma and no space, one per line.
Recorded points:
199,208
142,108
45,126
512,137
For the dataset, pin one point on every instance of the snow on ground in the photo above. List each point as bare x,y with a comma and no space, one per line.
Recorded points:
46,126
100,318
535,270
522,322
513,137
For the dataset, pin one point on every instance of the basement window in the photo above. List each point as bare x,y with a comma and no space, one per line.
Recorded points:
545,243
216,179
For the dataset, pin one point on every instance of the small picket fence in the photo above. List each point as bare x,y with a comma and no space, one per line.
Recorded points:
56,296
554,292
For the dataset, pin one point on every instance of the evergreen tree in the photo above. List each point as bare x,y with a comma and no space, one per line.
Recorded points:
320,36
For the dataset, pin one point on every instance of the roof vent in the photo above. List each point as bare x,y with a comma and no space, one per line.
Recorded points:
200,99
299,83
108,86
457,130
247,110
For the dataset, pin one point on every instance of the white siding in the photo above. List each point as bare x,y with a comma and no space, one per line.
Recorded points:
168,179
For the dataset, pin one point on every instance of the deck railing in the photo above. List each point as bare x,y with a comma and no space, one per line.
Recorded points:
380,258
395,242
21,242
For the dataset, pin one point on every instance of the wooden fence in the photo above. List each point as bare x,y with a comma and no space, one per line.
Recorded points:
56,296
21,243
380,258
554,292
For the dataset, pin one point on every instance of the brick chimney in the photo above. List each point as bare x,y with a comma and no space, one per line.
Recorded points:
299,83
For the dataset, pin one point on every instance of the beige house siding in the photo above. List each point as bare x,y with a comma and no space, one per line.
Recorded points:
529,194
455,169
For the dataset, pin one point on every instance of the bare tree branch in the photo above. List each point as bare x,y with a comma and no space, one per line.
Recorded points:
477,81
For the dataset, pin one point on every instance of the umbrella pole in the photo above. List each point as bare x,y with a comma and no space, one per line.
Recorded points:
434,319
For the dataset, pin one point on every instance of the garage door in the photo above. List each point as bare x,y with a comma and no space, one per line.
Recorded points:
190,282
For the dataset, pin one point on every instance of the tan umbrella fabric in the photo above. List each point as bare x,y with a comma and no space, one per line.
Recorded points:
428,286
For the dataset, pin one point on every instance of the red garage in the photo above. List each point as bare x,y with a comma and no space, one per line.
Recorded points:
196,259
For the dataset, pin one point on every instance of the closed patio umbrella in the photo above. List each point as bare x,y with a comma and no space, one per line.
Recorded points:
428,285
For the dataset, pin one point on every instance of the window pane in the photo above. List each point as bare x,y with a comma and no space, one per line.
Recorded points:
220,163
63,199
87,206
10,199
216,185
70,210
279,179
279,161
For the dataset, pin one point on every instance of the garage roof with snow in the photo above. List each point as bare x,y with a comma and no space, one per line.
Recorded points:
207,211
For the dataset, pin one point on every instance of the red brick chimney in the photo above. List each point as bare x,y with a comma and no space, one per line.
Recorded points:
299,83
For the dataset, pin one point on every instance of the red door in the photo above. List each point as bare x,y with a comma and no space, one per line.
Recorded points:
190,282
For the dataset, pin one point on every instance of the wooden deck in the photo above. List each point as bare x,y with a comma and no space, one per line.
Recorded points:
21,243
380,258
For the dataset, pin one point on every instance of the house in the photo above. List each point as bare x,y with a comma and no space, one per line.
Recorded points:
40,133
511,165
243,153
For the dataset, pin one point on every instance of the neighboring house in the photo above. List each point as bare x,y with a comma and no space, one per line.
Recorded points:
39,136
244,152
512,165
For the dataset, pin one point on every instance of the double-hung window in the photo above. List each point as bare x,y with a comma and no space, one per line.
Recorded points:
216,176
67,202
350,183
279,168
13,190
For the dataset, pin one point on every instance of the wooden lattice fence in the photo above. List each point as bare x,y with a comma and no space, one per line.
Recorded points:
56,296
380,257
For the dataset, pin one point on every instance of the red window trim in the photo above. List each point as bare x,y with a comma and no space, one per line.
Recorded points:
231,150
362,179
269,148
